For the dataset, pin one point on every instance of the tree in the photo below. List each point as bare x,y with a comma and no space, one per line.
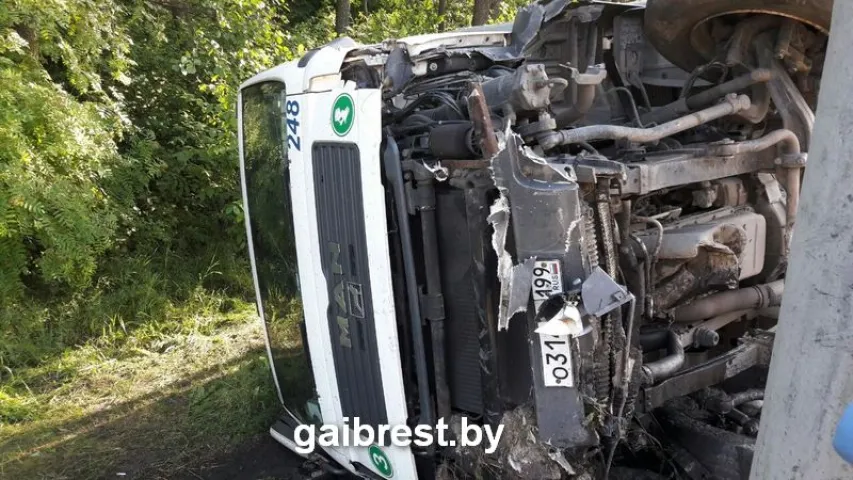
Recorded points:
481,12
495,9
484,10
118,145
342,16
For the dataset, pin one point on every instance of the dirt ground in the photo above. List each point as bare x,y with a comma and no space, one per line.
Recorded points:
260,458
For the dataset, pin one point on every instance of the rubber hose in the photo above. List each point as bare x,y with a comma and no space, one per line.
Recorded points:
667,366
755,297
747,396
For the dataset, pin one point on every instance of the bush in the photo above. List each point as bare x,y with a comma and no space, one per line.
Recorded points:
118,167
118,172
58,128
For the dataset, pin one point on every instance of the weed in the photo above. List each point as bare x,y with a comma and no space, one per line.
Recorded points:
152,299
147,405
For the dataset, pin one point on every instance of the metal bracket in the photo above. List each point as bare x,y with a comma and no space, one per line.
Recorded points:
754,350
792,160
439,173
589,167
601,294
418,199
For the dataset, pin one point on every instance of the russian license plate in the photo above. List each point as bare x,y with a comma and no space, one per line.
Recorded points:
556,351
556,361
547,281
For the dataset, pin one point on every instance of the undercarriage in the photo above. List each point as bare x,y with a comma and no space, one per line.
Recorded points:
589,215
649,210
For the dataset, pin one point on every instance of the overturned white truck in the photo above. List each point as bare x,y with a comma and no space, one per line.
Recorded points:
576,225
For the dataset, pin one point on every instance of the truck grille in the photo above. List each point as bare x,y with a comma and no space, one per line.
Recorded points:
340,220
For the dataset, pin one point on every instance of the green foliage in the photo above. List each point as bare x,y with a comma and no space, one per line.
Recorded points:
15,408
119,199
149,408
118,169
399,18
133,297
188,66
59,123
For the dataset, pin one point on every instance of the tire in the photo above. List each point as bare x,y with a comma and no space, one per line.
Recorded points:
669,24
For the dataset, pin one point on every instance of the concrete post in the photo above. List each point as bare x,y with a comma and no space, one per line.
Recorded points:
811,373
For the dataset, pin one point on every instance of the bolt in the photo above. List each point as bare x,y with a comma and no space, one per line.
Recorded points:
433,67
705,337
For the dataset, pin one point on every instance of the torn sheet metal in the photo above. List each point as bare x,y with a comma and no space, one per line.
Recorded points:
516,280
398,71
543,200
505,43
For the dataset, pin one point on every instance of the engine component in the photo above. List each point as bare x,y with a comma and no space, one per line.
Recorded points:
731,106
586,85
527,88
753,408
394,175
705,338
747,396
665,367
682,30
756,297
725,454
453,141
685,105
705,251
748,425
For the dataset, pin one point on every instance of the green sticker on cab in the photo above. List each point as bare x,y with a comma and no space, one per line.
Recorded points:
380,461
343,114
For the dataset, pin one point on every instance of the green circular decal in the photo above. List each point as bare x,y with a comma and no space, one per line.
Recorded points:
343,114
380,460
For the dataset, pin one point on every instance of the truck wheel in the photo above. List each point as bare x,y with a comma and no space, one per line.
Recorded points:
678,28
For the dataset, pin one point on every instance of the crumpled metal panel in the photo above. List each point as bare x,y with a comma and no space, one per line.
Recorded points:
540,201
516,280
543,206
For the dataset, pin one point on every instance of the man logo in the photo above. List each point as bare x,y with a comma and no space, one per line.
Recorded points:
348,297
356,300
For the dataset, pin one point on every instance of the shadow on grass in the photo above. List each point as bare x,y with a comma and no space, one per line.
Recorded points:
211,424
140,298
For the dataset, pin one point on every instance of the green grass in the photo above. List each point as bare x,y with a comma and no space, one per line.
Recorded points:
148,401
135,301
